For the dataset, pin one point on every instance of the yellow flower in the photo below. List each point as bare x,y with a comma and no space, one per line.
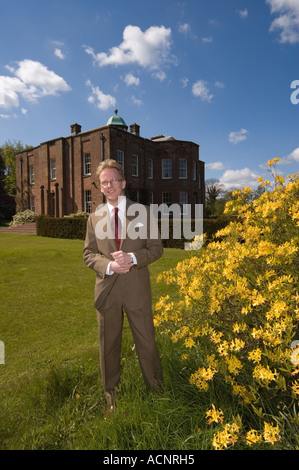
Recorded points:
215,416
189,342
227,437
271,433
264,374
253,437
234,365
273,161
295,387
255,355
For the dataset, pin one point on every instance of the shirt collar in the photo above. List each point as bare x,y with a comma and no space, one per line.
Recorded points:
121,206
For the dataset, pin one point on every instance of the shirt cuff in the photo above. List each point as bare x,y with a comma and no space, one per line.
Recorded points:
133,258
108,272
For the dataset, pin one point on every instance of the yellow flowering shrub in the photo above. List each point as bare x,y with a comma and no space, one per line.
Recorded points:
238,299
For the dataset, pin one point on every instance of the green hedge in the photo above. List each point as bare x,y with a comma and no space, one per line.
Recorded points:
75,227
65,227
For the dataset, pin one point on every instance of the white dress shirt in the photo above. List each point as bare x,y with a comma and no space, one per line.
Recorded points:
121,214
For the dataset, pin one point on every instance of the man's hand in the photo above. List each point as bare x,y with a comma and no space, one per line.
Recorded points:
122,262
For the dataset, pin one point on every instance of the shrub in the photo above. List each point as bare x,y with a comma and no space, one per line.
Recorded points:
24,217
66,227
238,304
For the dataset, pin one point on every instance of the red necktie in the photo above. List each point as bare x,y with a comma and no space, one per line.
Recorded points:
116,227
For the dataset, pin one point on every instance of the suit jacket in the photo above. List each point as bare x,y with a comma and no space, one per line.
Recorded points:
99,244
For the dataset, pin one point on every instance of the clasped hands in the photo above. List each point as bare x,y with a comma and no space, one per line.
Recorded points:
122,262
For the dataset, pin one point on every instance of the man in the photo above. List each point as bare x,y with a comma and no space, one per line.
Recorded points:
122,282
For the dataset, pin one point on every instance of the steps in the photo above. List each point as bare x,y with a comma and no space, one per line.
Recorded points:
28,227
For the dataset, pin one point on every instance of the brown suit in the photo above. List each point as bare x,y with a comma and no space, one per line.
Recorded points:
117,292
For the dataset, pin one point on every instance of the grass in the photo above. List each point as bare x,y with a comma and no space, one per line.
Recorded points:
51,394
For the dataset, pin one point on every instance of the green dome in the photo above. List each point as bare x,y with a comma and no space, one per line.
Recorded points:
116,121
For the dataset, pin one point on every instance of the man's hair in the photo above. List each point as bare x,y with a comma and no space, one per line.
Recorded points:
112,164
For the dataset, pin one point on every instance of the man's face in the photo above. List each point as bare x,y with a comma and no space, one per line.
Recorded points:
111,185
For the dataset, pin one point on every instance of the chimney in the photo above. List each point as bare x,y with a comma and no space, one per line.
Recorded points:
135,129
75,129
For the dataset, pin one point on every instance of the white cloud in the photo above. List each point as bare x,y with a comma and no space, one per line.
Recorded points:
101,100
160,75
184,81
137,101
130,79
238,136
243,13
294,156
39,80
184,28
215,166
149,49
207,39
201,90
219,85
58,52
291,158
237,179
4,116
288,20
32,81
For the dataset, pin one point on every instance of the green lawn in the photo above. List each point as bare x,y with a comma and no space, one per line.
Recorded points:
51,393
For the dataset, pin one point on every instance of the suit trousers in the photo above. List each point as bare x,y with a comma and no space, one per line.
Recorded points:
123,297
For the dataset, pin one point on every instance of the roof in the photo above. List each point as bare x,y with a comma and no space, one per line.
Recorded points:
116,121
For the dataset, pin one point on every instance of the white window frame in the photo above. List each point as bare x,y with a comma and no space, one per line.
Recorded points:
194,170
31,203
134,165
120,157
86,163
87,201
166,168
183,201
53,169
31,174
150,168
183,174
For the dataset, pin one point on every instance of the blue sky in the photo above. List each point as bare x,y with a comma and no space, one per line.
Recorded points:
217,72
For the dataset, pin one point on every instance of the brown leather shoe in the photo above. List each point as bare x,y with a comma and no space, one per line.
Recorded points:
108,411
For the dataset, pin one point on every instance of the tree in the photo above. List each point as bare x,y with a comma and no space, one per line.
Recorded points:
213,190
8,153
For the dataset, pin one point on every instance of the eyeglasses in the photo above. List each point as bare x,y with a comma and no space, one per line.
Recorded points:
113,182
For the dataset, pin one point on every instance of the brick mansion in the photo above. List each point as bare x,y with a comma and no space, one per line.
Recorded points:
57,177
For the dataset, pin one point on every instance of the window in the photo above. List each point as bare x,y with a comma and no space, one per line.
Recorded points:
150,168
167,198
151,197
87,201
31,203
31,174
166,168
120,157
182,168
134,165
86,164
183,200
194,170
53,169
